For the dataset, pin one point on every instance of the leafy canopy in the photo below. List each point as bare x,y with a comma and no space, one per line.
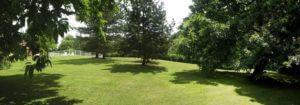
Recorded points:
253,34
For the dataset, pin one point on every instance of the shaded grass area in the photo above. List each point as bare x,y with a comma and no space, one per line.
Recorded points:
16,90
85,61
123,81
136,69
267,93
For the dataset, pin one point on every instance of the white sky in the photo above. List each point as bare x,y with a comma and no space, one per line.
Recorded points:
176,9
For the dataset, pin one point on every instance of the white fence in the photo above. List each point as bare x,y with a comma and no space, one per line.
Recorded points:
70,53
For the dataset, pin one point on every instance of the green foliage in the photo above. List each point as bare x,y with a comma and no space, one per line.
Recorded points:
4,63
68,43
147,29
41,62
206,42
242,34
179,49
98,21
29,69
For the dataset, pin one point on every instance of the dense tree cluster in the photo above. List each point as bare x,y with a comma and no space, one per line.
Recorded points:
241,33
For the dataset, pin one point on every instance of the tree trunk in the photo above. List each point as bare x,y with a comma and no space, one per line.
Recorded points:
144,62
47,54
97,55
145,59
259,67
104,55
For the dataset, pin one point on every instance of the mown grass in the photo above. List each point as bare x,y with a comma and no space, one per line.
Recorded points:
122,81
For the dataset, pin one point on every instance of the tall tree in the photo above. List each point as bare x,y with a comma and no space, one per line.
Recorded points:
97,28
148,29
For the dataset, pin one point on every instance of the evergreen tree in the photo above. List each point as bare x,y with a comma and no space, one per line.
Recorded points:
148,29
97,29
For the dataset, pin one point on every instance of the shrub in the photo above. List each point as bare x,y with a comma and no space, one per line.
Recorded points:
4,63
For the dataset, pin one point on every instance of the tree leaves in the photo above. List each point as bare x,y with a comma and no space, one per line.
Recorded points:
29,69
41,62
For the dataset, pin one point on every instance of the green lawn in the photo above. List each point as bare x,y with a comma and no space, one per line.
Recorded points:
122,81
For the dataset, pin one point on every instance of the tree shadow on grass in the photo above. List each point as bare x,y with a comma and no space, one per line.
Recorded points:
15,90
190,77
140,62
84,61
263,93
58,101
136,69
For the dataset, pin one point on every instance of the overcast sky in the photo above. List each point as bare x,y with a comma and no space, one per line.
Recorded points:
176,9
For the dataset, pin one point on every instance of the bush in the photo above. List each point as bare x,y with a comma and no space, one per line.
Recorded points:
4,64
114,54
294,70
176,57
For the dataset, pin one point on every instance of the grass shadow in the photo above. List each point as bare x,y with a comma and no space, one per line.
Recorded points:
16,90
267,94
188,76
136,69
58,101
84,61
140,62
